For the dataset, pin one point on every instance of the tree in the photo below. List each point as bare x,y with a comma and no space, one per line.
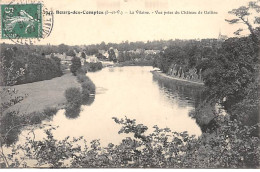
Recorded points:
57,64
234,73
62,48
83,55
243,13
121,56
111,54
102,46
71,53
75,66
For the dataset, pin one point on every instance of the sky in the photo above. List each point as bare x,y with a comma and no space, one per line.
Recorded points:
91,29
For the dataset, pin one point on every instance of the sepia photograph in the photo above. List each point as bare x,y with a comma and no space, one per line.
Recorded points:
129,84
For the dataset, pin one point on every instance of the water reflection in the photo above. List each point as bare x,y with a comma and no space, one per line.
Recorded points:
187,94
179,92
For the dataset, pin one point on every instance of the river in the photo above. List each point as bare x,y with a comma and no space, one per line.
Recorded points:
128,91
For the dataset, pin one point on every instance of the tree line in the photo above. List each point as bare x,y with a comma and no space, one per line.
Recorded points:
35,66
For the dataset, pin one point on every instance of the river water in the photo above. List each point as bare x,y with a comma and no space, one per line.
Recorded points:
132,92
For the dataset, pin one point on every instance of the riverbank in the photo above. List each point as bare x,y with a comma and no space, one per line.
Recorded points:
161,75
43,94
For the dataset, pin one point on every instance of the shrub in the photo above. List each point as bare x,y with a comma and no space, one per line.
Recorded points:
99,66
73,96
72,110
89,85
85,95
50,111
85,69
10,128
36,118
88,78
81,78
94,66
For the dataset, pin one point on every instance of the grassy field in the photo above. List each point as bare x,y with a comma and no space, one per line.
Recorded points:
44,94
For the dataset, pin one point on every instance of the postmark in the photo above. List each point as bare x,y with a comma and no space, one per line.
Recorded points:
25,22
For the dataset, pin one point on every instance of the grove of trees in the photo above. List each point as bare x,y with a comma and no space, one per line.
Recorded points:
35,66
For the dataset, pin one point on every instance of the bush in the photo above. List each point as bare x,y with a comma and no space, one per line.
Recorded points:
36,118
72,111
99,66
81,78
73,96
84,68
50,111
89,85
94,66
10,128
85,95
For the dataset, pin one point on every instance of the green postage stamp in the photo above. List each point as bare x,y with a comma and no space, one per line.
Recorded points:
21,21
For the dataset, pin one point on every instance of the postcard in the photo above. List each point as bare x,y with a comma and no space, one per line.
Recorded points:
129,84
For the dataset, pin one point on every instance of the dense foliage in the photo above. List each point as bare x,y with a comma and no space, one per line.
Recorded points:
34,66
230,73
230,147
233,76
